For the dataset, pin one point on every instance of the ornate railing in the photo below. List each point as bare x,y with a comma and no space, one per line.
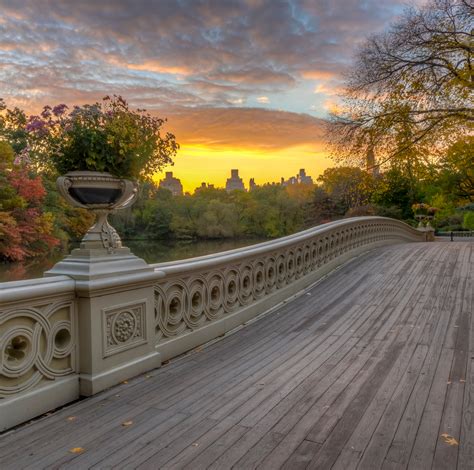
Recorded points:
114,316
202,291
38,342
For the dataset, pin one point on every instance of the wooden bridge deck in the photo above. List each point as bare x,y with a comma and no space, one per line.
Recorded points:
371,368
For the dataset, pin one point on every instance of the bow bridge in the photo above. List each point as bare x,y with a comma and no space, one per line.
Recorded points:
349,345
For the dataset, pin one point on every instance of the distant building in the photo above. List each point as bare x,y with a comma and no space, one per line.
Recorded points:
172,184
204,186
300,178
303,178
252,184
234,182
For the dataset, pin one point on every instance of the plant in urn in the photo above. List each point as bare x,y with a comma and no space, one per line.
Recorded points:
101,151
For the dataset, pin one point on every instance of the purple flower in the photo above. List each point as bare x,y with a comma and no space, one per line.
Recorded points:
59,110
35,124
46,113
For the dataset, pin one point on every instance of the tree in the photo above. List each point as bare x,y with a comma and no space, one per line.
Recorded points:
395,189
25,229
410,87
457,172
348,187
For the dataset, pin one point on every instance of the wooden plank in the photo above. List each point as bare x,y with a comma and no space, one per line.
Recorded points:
360,366
214,451
351,425
302,456
425,442
375,452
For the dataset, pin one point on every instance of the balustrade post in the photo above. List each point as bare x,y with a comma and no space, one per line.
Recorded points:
115,310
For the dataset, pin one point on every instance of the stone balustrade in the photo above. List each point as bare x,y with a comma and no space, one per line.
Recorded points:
202,298
38,347
114,316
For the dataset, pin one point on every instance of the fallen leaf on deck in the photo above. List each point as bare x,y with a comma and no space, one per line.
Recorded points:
449,382
127,423
195,444
76,450
125,382
449,440
71,418
148,376
462,381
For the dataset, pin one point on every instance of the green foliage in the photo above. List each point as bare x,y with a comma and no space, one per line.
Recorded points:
106,137
349,187
457,169
468,221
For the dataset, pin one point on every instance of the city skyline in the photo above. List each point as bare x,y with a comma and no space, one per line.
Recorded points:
249,80
172,182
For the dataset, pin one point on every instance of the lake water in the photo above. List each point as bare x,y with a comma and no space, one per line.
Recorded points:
155,251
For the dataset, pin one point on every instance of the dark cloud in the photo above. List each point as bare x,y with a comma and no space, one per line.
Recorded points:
222,50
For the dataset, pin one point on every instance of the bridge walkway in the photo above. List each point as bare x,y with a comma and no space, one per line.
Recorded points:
371,368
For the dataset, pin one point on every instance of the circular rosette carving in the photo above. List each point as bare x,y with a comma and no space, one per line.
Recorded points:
231,290
259,279
290,265
246,284
169,308
124,327
281,270
299,262
33,346
216,286
270,273
195,315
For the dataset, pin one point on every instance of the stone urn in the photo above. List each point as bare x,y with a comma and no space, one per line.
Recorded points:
101,193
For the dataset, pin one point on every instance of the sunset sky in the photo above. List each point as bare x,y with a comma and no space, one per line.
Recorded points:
244,83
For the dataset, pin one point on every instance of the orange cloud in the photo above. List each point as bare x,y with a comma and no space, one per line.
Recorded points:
150,66
319,74
244,128
263,144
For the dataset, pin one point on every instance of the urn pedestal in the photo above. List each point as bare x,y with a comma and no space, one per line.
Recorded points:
114,288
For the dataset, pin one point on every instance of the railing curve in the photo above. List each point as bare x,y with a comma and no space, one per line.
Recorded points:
226,289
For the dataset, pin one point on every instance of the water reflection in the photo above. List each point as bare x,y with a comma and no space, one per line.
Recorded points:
155,251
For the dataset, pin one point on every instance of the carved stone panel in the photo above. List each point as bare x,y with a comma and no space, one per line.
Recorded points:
124,327
187,303
37,344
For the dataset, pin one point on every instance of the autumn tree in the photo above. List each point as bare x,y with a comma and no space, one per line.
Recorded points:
25,229
410,87
348,187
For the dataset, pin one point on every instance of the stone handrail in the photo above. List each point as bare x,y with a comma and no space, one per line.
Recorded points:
202,298
38,346
113,316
